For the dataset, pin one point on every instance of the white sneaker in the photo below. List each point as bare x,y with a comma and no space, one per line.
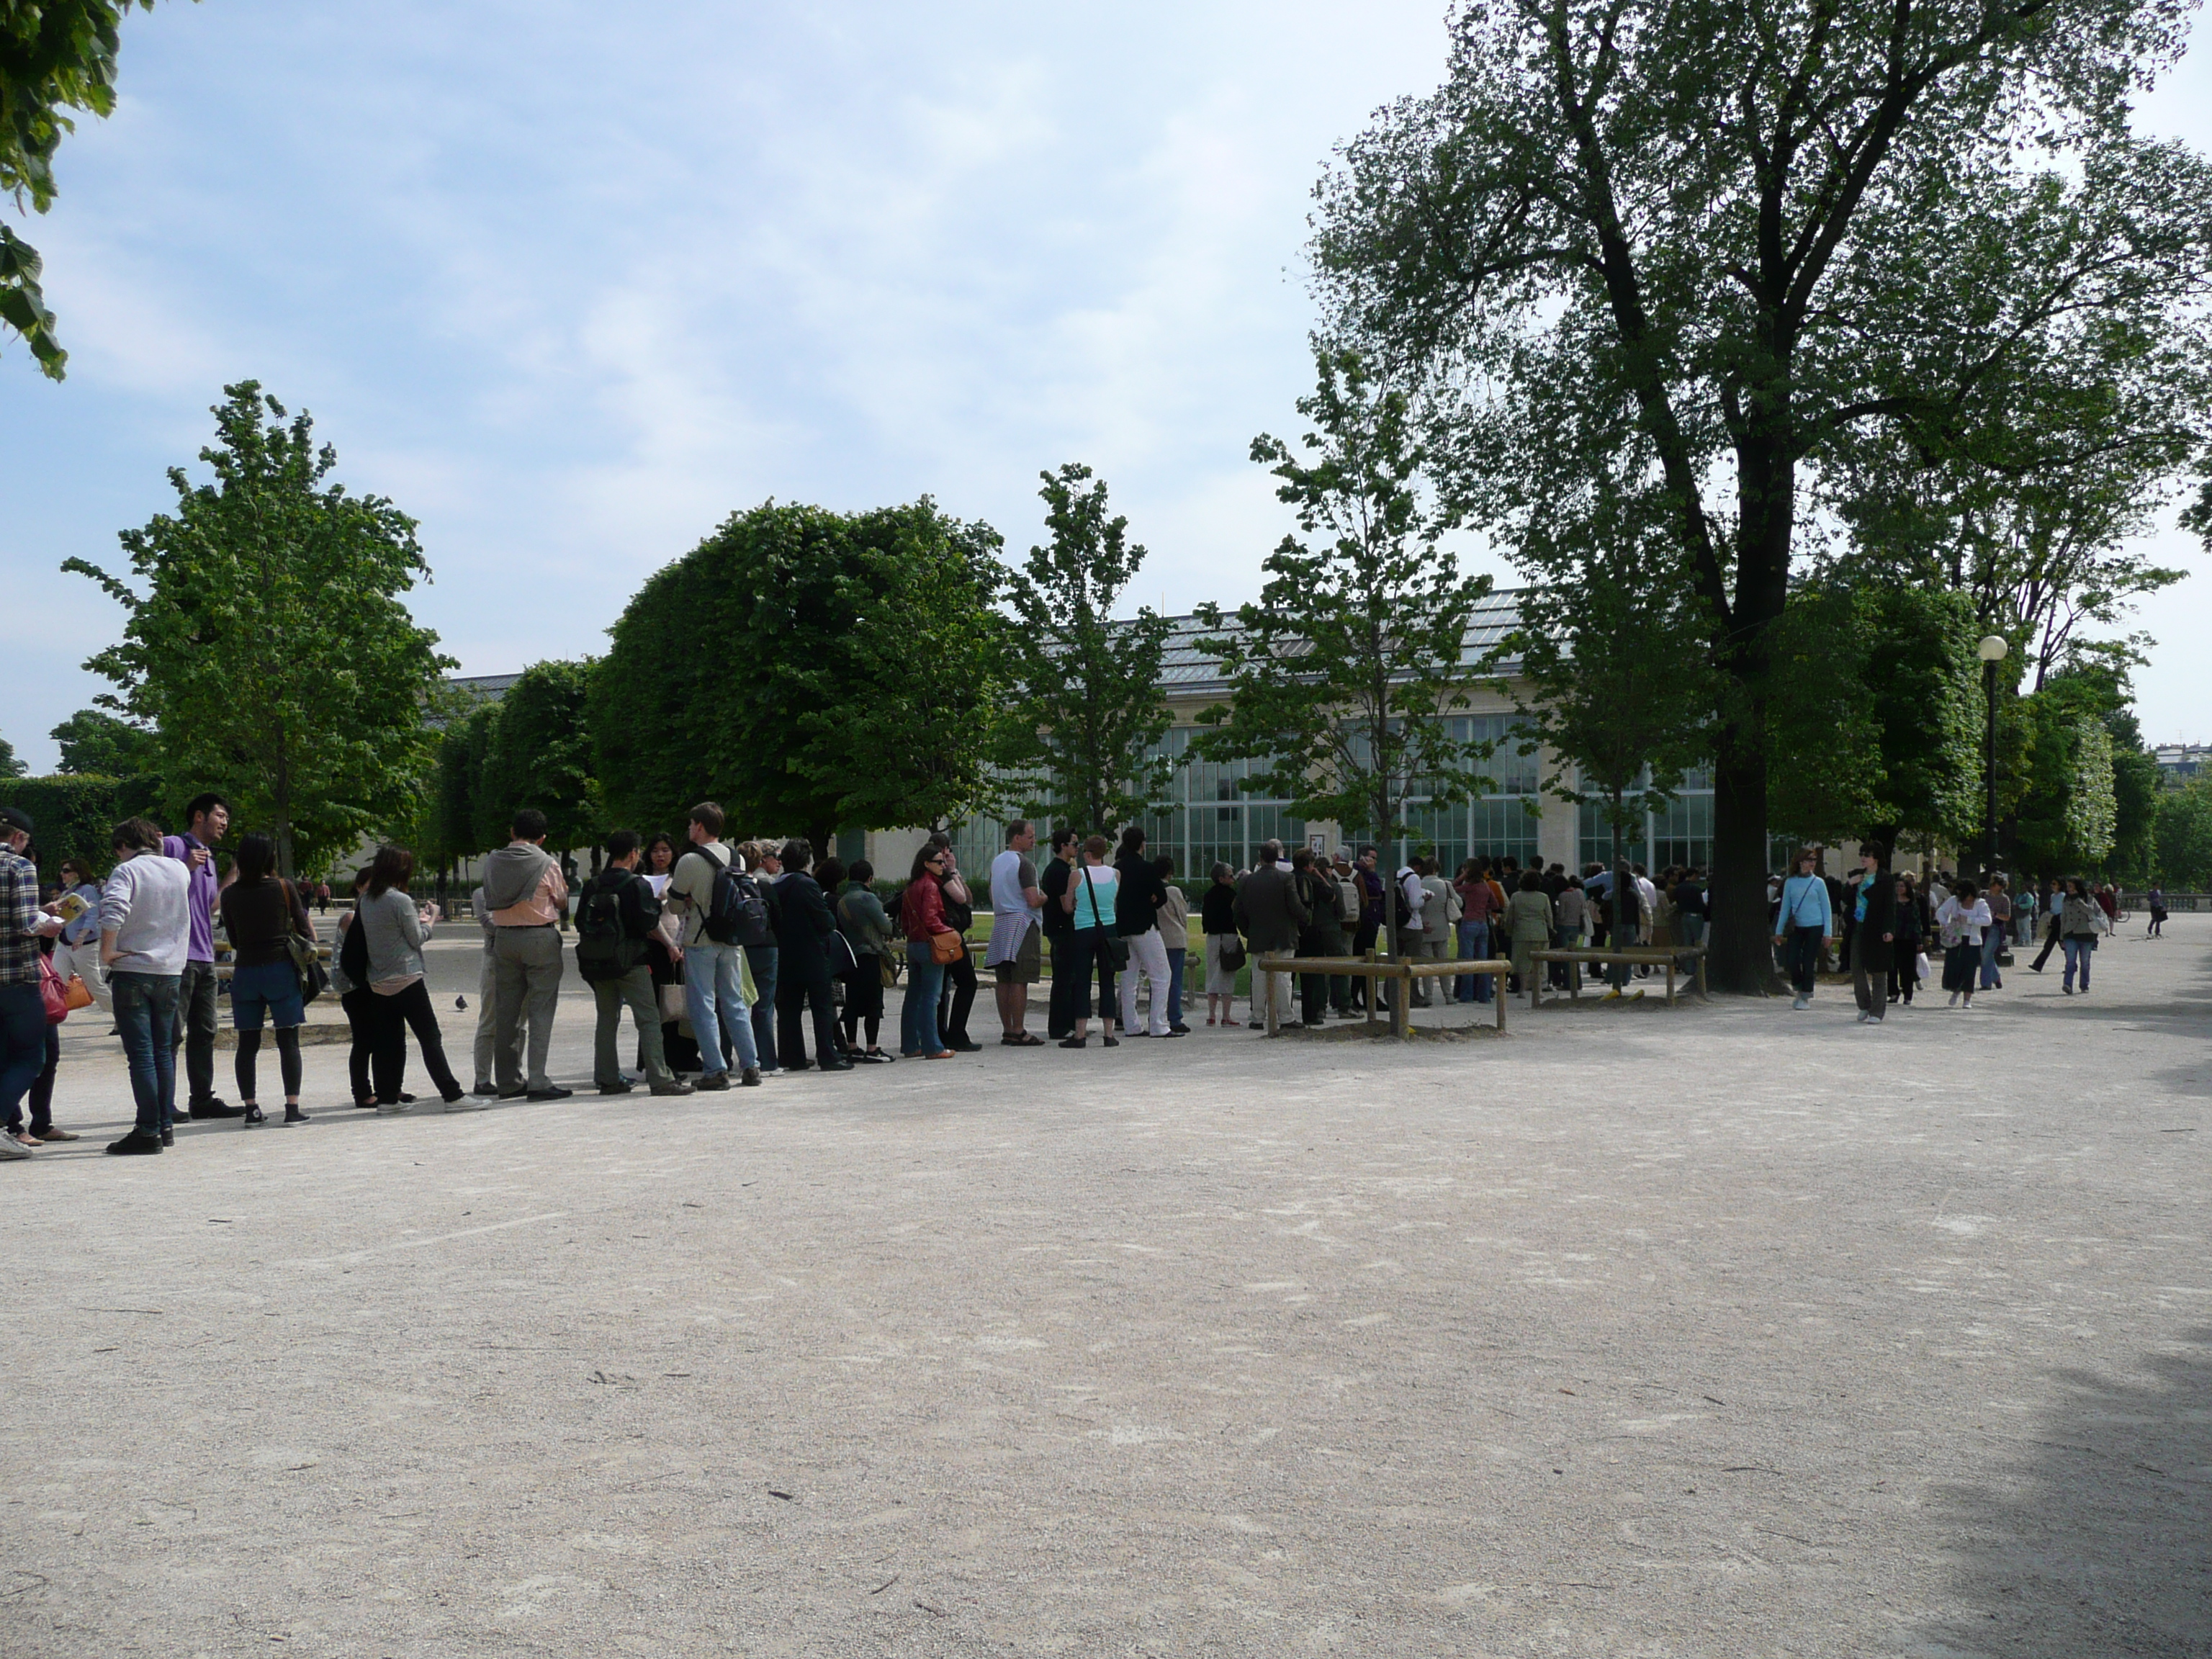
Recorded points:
468,1103
393,1108
1967,1007
1801,1003
11,1149
1864,1017
1954,1000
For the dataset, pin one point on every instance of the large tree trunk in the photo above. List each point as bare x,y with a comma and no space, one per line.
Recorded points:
1739,955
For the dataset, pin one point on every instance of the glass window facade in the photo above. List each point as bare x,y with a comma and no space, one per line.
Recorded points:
1502,820
1681,834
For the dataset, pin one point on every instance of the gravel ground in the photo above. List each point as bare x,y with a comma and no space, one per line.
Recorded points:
1724,1330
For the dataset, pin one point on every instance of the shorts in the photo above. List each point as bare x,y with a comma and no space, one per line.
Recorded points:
1026,966
274,986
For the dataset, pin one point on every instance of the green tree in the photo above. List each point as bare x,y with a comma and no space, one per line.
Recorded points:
1084,715
2136,782
2185,835
98,745
1733,253
732,671
924,657
485,826
1343,670
540,755
10,765
267,641
2056,772
56,56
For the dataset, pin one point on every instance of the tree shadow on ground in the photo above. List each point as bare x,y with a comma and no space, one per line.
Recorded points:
2097,1540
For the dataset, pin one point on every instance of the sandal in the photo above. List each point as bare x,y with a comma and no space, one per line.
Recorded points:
1022,1040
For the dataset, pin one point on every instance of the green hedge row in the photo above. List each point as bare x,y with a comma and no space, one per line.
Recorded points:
72,816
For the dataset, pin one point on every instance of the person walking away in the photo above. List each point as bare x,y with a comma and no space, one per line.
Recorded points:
958,997
1373,889
207,820
1529,914
921,919
1873,937
1091,901
1474,914
1016,952
1411,899
1053,918
867,929
76,952
145,941
1803,925
1439,919
526,898
719,909
2082,919
262,914
349,984
1175,933
1322,933
1269,913
803,924
1959,922
23,926
1570,924
2000,928
1138,895
2154,901
765,958
2051,911
1904,950
618,922
394,929
1691,907
1217,926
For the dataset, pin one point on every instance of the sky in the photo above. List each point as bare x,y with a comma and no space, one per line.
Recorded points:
571,283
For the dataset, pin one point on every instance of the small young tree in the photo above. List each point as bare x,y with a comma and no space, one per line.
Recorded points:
1344,670
268,642
1082,710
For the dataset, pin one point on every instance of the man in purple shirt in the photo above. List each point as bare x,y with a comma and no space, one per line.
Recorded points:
206,820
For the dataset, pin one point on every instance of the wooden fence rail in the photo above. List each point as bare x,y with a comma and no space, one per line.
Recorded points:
1378,973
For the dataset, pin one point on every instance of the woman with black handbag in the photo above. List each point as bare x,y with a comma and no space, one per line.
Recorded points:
958,995
263,915
1224,949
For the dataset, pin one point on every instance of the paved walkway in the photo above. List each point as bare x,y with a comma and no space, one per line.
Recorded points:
1726,1331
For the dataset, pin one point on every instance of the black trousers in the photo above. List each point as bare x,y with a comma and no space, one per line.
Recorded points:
1904,975
799,982
864,1000
2050,944
1804,956
764,960
395,1016
195,1029
956,1000
360,1007
1059,1007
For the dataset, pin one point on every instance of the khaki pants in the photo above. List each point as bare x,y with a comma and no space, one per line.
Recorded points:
636,990
528,961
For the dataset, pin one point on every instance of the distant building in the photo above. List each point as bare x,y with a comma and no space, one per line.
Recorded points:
2177,763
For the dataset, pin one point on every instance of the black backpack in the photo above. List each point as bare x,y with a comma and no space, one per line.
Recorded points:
736,914
353,952
604,948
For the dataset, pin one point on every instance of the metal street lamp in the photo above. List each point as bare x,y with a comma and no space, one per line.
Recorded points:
1992,650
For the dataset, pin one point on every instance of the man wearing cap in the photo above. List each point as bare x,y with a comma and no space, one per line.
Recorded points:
22,1009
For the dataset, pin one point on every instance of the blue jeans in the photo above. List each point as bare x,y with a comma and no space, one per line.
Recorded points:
146,1010
1473,946
715,996
1992,938
1175,984
2078,952
22,1047
764,960
925,978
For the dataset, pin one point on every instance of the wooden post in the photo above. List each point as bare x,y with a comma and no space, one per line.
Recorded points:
1401,1007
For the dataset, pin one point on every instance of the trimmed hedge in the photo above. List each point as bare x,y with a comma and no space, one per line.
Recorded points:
72,815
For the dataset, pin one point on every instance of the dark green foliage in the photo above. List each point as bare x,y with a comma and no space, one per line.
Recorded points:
2184,836
94,742
10,766
74,814
539,754
2056,773
56,56
732,672
268,640
1082,712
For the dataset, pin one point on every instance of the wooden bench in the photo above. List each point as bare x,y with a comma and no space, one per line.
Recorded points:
1656,956
1379,972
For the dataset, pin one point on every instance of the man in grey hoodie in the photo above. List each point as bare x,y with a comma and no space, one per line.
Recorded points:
525,896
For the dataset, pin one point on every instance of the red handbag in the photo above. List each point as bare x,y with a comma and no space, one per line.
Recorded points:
51,991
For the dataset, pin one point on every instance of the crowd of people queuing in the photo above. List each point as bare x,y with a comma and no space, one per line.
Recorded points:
735,962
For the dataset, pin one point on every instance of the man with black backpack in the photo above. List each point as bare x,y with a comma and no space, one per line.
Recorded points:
722,913
615,915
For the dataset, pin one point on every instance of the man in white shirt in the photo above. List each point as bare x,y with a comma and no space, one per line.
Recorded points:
1016,952
145,934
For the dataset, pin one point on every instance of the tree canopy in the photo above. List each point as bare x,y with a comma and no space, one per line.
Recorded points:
1736,255
266,638
539,754
1083,716
1345,669
96,743
56,56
